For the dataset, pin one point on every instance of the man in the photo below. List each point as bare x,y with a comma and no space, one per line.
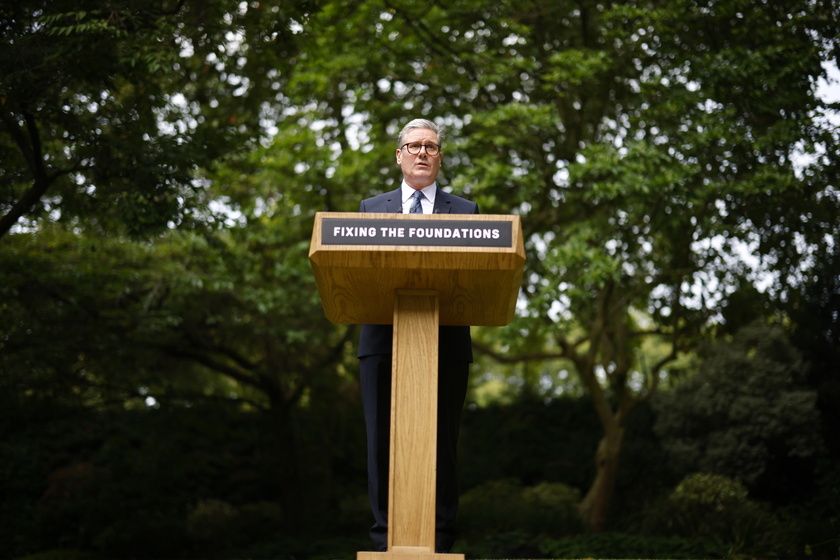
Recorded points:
419,156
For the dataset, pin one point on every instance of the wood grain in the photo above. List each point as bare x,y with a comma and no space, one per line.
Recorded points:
411,500
476,285
416,288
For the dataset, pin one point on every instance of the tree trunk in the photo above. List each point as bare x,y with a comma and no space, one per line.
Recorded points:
30,147
594,506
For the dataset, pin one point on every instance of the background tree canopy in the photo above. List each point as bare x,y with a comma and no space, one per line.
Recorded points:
161,163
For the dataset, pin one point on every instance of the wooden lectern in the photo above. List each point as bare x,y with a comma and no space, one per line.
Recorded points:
417,271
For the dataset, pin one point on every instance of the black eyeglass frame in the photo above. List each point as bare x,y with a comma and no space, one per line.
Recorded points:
421,147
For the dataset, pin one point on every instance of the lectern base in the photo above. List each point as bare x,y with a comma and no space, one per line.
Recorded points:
407,553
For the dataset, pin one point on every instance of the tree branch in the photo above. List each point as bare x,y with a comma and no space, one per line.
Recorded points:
241,361
31,150
514,359
207,361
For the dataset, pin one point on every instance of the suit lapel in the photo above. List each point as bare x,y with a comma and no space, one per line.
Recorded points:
442,203
394,203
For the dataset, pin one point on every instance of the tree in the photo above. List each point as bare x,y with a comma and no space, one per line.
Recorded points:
108,112
747,407
113,122
816,334
647,145
232,318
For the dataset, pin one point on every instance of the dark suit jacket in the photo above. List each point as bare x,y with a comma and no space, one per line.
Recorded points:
454,342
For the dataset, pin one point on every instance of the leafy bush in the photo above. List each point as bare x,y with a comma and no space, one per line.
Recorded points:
506,506
746,412
620,545
505,544
218,527
717,508
144,535
819,517
503,519
61,554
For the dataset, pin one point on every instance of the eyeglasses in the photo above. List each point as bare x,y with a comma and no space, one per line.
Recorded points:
414,148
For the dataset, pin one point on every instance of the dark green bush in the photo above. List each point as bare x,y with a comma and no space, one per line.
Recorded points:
504,519
61,554
505,544
220,529
504,506
620,545
717,508
144,535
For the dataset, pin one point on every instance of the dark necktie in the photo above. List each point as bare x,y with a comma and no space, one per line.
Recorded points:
416,208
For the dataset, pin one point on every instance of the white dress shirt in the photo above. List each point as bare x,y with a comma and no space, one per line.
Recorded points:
427,202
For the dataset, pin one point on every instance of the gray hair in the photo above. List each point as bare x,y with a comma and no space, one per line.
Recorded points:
420,123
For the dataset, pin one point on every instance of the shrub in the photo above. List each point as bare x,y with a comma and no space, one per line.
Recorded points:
620,545
61,554
717,508
217,527
505,544
211,520
506,506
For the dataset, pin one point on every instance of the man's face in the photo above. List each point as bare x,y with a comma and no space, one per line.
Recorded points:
419,170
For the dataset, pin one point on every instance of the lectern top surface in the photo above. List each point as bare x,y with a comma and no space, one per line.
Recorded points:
474,262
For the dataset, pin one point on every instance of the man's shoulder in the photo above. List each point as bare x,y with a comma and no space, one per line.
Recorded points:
452,197
457,204
379,202
385,195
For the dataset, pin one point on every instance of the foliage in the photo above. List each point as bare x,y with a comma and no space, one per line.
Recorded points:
816,334
509,544
503,519
746,409
102,480
108,112
819,516
188,319
642,151
502,506
532,441
622,545
204,480
717,508
60,554
668,158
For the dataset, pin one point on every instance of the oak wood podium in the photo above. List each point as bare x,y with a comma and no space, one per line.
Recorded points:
417,272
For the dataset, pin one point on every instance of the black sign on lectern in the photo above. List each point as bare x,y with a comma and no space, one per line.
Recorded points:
439,233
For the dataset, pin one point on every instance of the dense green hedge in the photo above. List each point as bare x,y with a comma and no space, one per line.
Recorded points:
202,482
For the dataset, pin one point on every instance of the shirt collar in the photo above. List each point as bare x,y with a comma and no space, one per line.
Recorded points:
429,192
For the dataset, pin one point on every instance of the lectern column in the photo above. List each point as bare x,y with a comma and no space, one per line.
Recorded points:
411,498
417,271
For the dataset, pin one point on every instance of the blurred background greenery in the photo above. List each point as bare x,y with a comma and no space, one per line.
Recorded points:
169,387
